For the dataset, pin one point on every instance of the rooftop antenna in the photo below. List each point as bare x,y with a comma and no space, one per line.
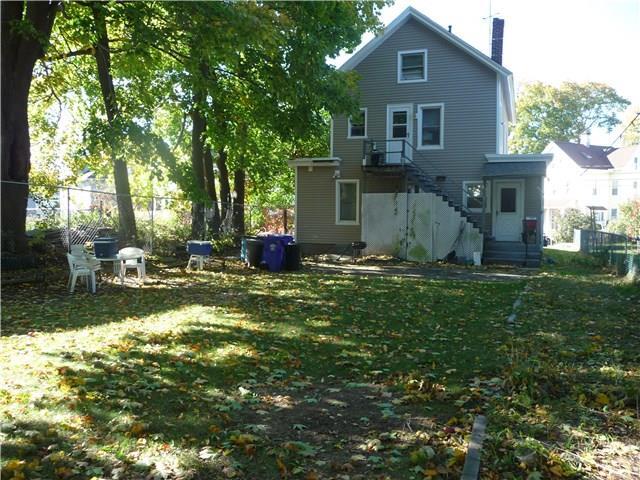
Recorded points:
490,18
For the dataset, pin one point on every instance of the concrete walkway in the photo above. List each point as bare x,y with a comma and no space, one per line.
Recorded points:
452,272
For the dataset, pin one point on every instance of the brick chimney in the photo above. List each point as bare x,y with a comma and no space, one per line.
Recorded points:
497,35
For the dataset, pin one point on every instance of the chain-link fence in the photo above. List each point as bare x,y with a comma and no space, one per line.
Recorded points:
619,251
73,215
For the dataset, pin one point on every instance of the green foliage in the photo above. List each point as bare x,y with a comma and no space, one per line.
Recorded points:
631,136
629,220
547,113
570,220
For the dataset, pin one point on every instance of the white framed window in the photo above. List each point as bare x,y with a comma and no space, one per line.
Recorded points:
636,164
358,125
473,195
594,190
347,202
614,188
412,66
614,213
430,126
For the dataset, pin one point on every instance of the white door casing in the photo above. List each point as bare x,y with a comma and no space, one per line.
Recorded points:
508,210
399,126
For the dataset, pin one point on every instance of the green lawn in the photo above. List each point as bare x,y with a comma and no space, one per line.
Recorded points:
251,375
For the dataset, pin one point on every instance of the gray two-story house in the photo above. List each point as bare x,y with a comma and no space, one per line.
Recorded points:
422,170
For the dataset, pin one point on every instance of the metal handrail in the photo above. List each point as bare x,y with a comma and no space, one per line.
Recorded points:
404,159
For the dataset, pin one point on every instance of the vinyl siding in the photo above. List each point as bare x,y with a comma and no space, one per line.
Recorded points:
533,201
316,208
465,86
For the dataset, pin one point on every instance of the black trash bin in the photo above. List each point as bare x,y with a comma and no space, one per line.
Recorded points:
292,257
254,252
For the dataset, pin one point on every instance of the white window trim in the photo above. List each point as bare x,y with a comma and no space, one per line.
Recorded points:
464,194
399,65
365,125
419,145
348,222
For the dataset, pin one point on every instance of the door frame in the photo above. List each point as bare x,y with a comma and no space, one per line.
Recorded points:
495,200
410,117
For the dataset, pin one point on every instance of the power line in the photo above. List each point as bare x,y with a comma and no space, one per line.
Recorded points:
625,128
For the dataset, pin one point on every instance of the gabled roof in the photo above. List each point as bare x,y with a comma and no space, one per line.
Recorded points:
593,156
506,77
621,157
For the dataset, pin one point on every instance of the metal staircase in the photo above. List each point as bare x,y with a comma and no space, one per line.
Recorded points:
375,159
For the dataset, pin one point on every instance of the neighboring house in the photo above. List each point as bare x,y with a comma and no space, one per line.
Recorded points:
583,176
423,169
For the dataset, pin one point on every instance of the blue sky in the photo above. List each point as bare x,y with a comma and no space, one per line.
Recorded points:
549,40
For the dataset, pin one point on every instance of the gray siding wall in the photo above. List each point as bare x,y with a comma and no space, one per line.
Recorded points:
467,88
533,201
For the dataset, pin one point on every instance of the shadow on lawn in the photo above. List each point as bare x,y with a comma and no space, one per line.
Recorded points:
257,406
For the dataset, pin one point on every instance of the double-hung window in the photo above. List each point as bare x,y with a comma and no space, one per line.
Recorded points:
412,66
614,188
347,202
431,126
358,125
473,195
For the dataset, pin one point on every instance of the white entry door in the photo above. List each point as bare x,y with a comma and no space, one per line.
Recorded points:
508,210
399,128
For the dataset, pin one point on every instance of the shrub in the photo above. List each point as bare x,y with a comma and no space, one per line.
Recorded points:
571,220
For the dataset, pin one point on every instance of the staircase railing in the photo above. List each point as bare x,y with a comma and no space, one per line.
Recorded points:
378,153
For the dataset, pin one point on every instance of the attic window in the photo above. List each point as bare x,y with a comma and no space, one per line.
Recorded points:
412,66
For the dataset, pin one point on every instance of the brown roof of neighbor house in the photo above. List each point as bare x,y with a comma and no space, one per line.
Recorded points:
621,156
593,156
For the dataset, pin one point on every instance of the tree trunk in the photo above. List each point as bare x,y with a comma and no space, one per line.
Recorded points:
210,184
197,167
126,215
238,201
225,189
20,51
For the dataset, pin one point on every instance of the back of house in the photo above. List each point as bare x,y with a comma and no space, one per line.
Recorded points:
422,170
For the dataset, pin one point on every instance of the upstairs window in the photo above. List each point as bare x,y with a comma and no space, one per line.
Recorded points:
614,188
358,125
431,126
594,191
412,66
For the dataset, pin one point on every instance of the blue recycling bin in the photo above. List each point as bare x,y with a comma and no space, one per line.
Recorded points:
273,253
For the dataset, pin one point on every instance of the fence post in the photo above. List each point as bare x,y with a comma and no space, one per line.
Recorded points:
153,208
68,220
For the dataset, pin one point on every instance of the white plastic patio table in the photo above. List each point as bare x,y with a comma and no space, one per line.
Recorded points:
119,263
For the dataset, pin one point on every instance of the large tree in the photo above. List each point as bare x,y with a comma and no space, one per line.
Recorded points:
548,113
26,28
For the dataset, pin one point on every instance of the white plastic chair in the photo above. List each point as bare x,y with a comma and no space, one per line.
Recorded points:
131,257
82,266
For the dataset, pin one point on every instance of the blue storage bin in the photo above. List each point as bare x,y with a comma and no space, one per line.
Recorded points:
198,247
273,253
105,247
